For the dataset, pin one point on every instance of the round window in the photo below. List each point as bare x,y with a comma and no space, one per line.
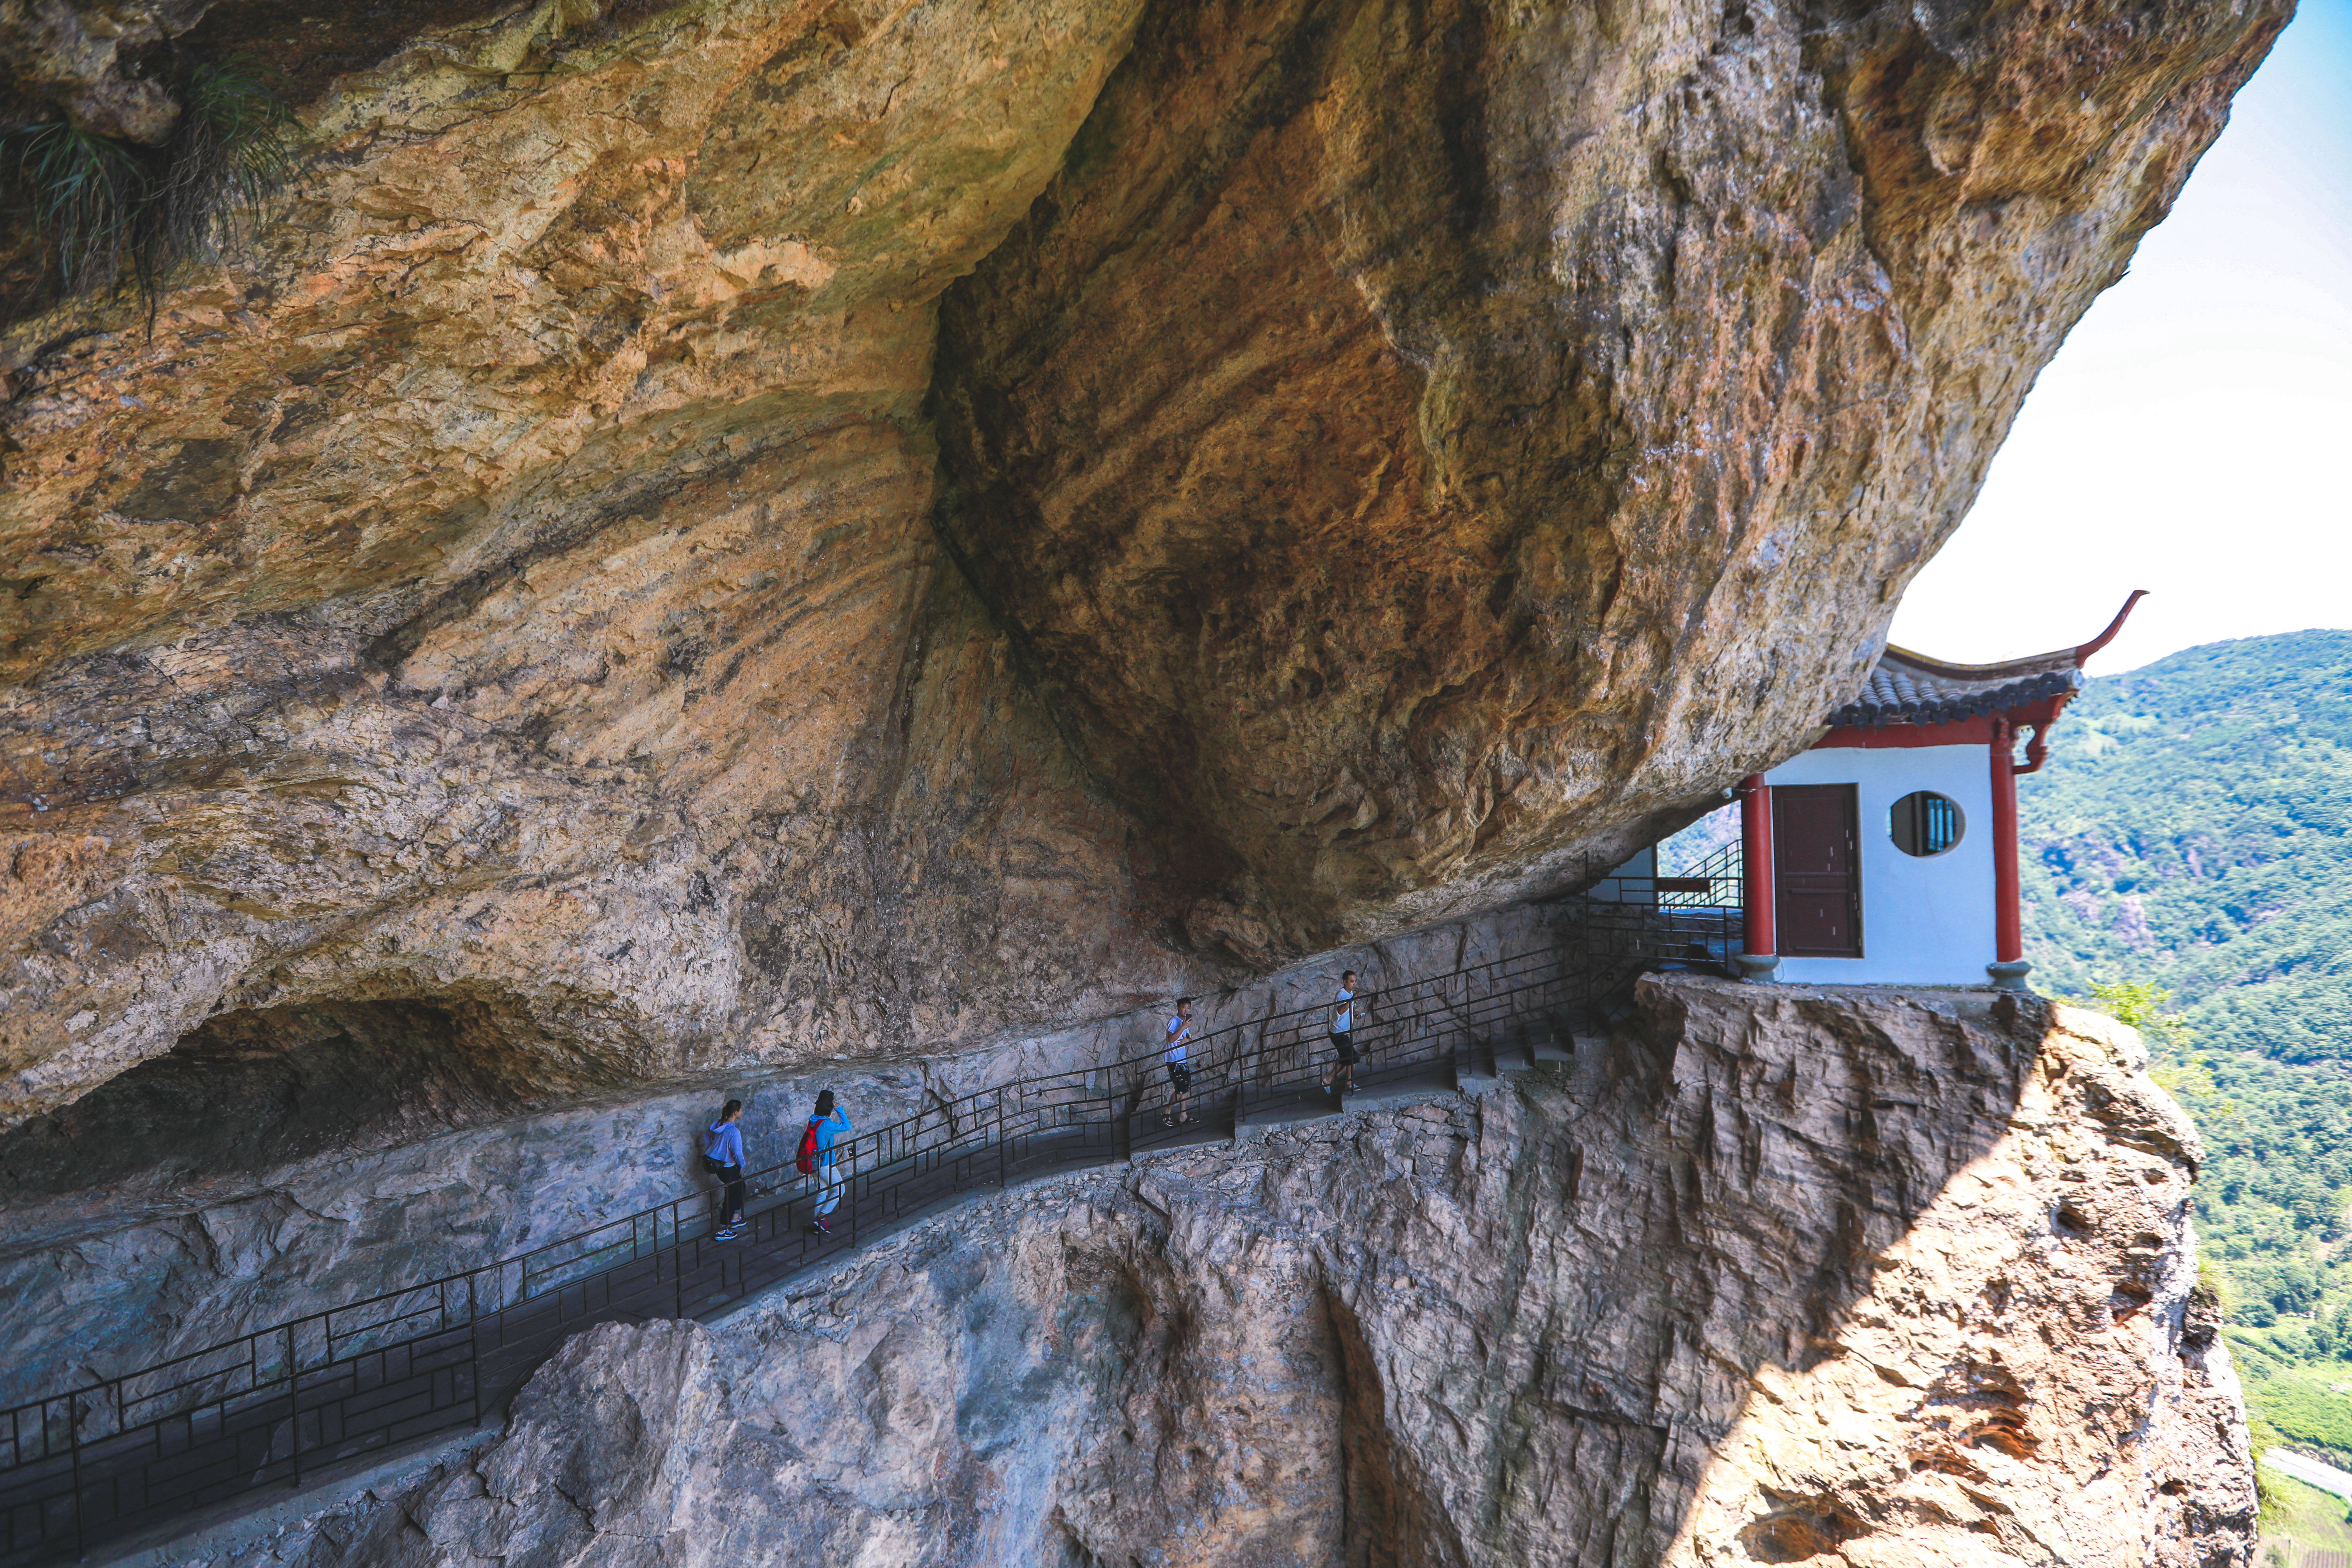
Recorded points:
1926,823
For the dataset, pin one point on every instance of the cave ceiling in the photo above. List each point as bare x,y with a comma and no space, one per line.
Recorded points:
751,531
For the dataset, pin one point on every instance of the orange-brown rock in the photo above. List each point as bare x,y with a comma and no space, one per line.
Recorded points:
1389,461
1416,445
516,585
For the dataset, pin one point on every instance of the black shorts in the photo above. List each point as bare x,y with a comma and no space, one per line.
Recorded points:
1346,1046
1180,1078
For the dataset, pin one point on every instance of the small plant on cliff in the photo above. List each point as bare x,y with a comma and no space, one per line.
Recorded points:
84,192
2269,1496
105,208
2146,1006
233,149
2211,1295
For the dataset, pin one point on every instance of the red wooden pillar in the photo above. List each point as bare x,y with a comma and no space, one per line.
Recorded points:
2009,966
1757,894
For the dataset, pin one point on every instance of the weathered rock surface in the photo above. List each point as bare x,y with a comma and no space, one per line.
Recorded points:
1391,458
1416,444
72,57
1857,1279
219,1190
517,584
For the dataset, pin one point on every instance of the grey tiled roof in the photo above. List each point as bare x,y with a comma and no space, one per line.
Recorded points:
1906,688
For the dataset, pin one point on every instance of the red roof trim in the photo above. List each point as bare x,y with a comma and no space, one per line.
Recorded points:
2104,638
1976,732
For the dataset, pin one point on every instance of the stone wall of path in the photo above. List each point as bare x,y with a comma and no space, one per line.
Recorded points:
108,1278
1778,1275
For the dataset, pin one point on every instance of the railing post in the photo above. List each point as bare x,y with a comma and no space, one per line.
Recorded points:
73,1436
474,1341
294,1413
849,1191
1003,1158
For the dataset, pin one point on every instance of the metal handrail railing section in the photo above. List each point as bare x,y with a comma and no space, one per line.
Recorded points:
1724,874
1717,882
255,1410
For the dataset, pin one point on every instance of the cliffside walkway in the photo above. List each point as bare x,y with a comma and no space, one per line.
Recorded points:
296,1402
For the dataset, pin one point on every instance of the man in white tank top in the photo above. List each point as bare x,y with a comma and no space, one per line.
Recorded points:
1339,1077
1179,1072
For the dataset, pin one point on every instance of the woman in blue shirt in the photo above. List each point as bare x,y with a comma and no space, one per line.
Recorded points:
722,1156
828,1124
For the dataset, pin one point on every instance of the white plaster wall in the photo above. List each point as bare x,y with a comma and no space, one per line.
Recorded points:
1642,867
1924,921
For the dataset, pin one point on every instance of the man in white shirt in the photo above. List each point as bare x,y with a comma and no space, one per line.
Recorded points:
1179,1076
1339,1077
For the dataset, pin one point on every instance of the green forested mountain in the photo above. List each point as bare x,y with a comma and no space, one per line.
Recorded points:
2195,823
2192,833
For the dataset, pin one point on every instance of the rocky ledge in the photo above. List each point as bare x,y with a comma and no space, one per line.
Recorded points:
1774,1274
166,1212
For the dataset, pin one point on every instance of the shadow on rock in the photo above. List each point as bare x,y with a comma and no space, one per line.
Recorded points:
1778,1275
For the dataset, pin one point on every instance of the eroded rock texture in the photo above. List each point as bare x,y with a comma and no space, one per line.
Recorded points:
276,1161
760,529
1415,442
1848,1279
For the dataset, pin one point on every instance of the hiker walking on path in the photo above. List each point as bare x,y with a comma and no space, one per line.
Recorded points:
817,1159
1179,1076
722,1156
1339,1077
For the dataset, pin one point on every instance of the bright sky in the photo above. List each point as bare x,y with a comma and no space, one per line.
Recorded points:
2194,435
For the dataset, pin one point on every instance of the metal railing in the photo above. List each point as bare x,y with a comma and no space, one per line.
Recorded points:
1718,882
269,1407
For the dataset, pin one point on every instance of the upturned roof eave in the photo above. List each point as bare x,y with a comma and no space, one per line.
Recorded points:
1968,690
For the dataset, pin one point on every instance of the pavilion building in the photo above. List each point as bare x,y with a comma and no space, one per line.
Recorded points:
1886,853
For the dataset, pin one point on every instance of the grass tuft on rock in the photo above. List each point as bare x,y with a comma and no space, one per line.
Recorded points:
112,213
86,194
233,149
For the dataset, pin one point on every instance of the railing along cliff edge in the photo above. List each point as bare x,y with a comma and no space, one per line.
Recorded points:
269,1407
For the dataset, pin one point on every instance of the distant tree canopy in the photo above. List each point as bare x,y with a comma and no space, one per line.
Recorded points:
2193,831
2191,839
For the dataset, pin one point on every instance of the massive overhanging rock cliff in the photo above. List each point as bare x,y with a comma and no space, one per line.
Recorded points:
753,531
857,542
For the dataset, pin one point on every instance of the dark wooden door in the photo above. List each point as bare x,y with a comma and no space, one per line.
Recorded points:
1817,863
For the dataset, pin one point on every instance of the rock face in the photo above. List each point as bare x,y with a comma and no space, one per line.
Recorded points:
764,530
718,544
231,1185
1858,1278
72,57
1416,443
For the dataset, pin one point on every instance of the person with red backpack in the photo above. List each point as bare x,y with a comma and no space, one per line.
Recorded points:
816,1159
722,1156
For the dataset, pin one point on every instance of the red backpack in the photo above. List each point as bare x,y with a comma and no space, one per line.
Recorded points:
806,1164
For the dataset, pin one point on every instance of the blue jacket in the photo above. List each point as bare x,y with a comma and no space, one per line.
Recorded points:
723,1142
829,1129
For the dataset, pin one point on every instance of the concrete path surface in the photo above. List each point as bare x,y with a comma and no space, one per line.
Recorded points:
2310,1472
